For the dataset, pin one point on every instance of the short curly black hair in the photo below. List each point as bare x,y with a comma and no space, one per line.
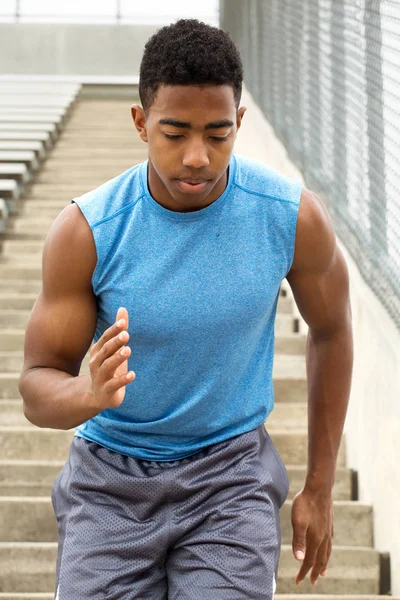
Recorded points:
189,52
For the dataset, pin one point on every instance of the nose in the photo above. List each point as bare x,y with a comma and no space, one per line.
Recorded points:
195,155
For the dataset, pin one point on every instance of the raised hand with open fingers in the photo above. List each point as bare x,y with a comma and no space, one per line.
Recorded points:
109,363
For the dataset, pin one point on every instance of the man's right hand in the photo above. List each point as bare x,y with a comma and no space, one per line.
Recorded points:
109,364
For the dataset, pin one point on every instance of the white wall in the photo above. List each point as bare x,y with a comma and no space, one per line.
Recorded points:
72,49
372,428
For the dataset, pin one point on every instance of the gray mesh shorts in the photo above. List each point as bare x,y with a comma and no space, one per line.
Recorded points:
204,527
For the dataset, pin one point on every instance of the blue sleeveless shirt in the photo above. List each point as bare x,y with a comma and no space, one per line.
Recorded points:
201,290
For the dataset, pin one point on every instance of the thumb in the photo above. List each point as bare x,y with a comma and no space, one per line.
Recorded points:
299,542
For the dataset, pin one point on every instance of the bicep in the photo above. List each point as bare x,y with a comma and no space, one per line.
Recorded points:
319,276
63,319
322,297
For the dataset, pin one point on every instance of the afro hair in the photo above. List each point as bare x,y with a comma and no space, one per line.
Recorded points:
189,52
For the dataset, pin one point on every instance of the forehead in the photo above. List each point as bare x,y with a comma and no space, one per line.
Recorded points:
194,103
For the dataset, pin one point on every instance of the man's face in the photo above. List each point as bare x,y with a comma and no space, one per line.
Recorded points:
191,132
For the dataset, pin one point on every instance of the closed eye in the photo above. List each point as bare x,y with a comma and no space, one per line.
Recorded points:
172,137
176,137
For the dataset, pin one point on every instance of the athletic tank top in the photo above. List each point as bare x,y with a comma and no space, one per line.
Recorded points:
201,290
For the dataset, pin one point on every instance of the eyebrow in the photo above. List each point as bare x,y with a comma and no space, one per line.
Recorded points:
183,124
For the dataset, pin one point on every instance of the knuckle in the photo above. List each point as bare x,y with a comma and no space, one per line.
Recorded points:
299,532
107,387
104,350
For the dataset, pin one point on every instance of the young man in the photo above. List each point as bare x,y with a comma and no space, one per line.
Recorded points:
173,486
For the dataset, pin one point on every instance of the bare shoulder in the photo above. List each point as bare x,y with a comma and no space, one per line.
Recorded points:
319,276
63,319
315,236
69,249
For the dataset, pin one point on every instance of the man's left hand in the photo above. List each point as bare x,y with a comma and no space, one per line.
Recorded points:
312,522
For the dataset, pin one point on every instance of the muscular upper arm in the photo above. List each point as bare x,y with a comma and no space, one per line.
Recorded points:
319,276
63,319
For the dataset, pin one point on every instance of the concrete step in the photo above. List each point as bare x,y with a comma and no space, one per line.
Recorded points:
25,224
31,286
18,231
92,142
67,161
45,209
34,521
92,164
24,235
355,570
35,478
89,179
25,247
28,477
56,191
27,566
34,443
27,596
293,343
36,147
22,272
342,489
74,154
20,301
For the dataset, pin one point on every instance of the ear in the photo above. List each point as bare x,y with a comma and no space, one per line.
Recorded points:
239,117
139,120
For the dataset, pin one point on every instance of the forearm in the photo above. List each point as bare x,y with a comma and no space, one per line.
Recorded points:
56,399
329,361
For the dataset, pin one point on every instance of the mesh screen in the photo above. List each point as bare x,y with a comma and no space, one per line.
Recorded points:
326,74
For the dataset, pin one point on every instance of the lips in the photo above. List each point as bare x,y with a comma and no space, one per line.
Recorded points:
192,186
194,181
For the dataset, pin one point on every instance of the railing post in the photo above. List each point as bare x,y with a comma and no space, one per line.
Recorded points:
17,9
118,11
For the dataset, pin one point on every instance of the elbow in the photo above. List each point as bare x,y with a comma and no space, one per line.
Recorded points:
23,388
342,330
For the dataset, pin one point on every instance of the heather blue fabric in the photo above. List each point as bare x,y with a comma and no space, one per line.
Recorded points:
201,289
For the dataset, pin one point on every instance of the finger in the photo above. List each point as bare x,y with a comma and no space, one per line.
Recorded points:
328,555
299,540
304,569
112,363
309,560
320,561
119,325
114,353
122,313
109,349
115,383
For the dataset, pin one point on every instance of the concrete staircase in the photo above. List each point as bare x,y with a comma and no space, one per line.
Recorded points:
98,143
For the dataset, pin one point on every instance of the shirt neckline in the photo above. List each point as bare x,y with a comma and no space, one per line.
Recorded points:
191,215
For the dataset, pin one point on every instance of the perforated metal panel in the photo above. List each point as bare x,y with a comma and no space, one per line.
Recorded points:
326,74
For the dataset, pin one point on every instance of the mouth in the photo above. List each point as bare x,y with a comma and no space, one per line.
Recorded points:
192,186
